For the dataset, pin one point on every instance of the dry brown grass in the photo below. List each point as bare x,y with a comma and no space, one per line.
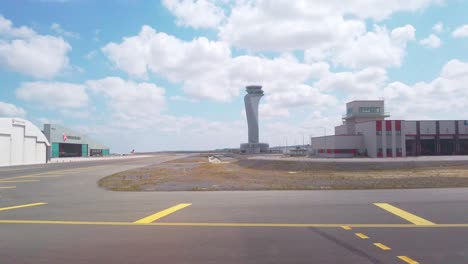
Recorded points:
195,174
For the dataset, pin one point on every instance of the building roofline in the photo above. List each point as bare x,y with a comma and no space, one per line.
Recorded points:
365,101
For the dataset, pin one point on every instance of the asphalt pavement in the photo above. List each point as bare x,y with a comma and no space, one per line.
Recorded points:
56,213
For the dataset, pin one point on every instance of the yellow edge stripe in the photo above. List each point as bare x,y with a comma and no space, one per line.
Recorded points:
381,246
21,206
361,235
7,187
29,176
19,181
404,214
161,214
408,260
52,222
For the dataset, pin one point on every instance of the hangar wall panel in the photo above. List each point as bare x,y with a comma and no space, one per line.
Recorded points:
17,145
29,151
5,150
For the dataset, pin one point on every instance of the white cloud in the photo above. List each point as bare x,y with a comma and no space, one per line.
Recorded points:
166,54
438,28
196,13
380,48
432,41
461,32
23,50
131,104
284,26
11,110
290,25
363,83
268,111
59,30
444,96
206,68
54,95
179,98
377,9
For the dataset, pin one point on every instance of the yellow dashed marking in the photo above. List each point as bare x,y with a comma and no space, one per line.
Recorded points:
404,214
161,214
381,246
408,260
361,235
7,187
346,227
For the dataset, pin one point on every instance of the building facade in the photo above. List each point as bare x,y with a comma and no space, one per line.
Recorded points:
68,143
366,132
21,143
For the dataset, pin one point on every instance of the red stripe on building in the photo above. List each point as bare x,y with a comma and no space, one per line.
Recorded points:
388,125
398,125
378,125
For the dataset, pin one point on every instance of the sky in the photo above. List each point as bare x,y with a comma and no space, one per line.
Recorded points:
171,75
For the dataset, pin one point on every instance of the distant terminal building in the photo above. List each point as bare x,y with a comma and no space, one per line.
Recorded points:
21,143
68,143
366,132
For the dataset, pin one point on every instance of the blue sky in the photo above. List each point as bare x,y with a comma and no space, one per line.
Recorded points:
171,75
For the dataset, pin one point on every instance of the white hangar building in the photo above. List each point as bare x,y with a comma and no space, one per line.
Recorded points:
21,143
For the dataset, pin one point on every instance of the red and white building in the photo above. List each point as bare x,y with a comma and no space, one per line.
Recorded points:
366,132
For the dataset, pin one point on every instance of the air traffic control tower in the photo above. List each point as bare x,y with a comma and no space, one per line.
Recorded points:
251,100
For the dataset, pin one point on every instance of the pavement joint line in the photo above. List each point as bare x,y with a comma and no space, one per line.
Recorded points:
361,235
161,214
7,187
404,214
408,260
200,224
21,206
382,246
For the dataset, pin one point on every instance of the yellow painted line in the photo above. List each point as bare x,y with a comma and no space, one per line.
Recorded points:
346,227
408,260
41,176
21,206
19,181
229,224
163,213
29,176
7,187
361,235
381,246
404,214
18,177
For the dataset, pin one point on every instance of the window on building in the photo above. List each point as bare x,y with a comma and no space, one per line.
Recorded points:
389,133
349,111
379,150
398,133
369,109
378,133
389,151
399,150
